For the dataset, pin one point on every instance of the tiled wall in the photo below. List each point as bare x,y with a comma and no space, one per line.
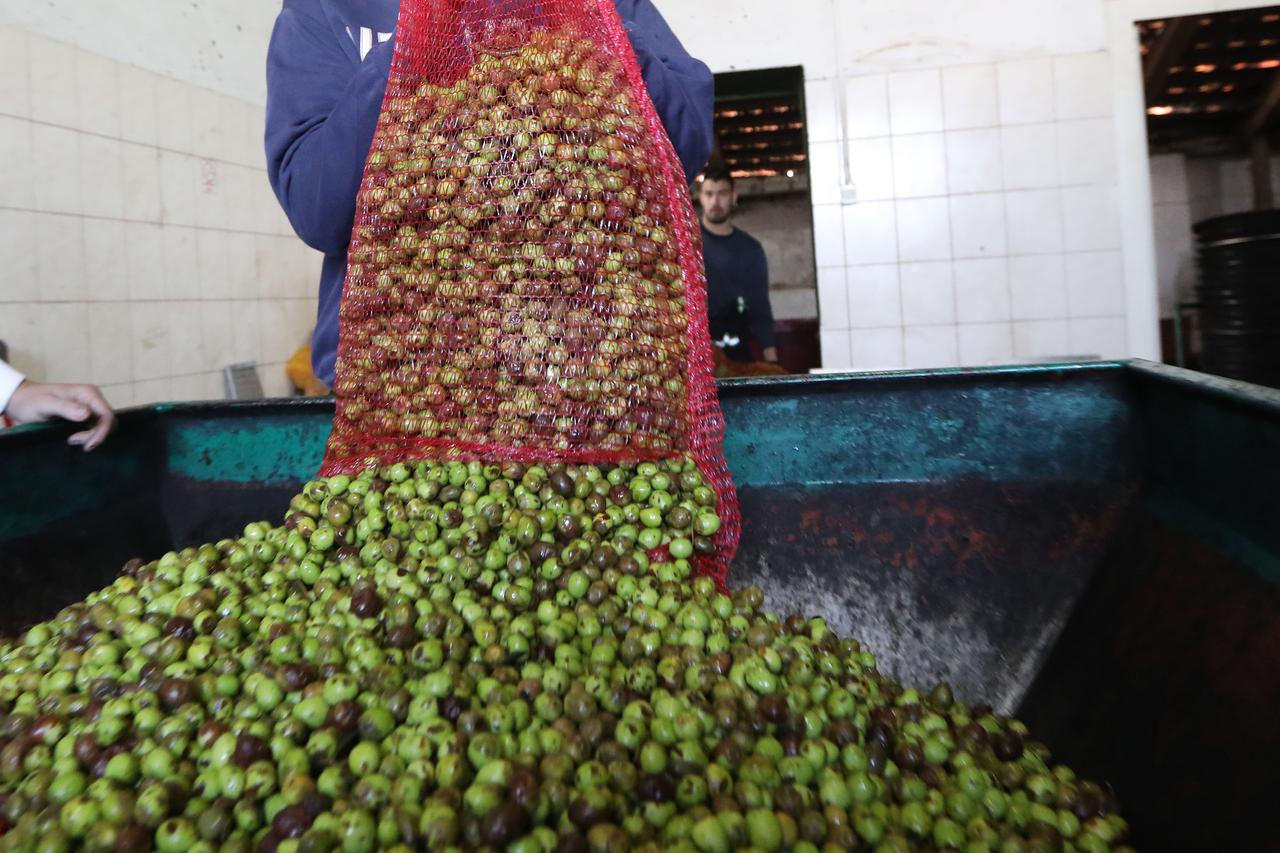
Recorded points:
985,227
140,245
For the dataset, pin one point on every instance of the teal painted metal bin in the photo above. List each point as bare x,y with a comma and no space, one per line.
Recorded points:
1093,547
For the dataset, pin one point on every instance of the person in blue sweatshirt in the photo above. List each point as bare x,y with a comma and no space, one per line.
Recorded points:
327,71
738,305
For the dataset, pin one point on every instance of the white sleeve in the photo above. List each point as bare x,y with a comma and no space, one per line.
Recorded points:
10,379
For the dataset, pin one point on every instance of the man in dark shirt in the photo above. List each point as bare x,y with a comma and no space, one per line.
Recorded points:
737,275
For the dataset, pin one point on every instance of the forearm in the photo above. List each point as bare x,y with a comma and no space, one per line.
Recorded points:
682,88
317,144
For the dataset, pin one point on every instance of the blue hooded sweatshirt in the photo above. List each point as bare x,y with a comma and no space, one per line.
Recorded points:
326,74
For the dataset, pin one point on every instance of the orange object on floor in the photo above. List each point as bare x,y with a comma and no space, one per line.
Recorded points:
302,376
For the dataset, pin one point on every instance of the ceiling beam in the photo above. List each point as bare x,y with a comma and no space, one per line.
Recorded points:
1165,53
1267,108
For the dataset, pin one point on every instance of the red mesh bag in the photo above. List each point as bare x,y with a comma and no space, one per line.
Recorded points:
525,278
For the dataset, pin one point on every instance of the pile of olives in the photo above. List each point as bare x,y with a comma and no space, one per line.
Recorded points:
465,656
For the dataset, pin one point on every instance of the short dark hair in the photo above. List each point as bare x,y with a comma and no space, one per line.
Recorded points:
718,174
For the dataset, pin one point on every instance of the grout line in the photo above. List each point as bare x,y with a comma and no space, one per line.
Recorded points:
158,223
262,167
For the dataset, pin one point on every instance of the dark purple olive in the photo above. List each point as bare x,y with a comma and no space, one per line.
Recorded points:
176,692
366,603
291,822
250,748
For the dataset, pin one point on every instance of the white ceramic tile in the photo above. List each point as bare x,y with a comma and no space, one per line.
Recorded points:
928,293
1087,152
105,264
153,391
1030,156
138,108
140,167
1034,219
870,232
970,97
275,381
931,346
234,186
179,183
984,344
1041,339
98,85
254,154
973,161
978,226
875,299
18,282
272,283
1169,179
302,320
1095,284
242,266
144,260
871,168
982,290
835,349
1026,91
110,343
181,274
211,264
233,125
1082,85
53,81
60,258
207,386
877,349
924,230
824,172
833,298
920,165
276,321
186,337
1037,285
1104,337
828,235
208,134
822,118
1090,218
246,335
173,103
915,102
55,160
66,341
102,173
208,197
119,396
17,178
24,333
15,97
867,107
152,353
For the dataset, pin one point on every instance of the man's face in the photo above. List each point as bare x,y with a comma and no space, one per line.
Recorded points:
718,201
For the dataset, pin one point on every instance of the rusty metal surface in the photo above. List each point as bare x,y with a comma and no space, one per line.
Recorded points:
967,582
1166,682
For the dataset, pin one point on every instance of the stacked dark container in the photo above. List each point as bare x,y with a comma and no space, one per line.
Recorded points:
1239,294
